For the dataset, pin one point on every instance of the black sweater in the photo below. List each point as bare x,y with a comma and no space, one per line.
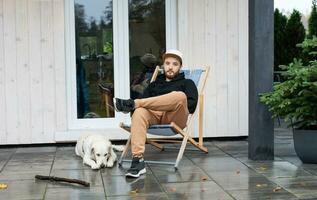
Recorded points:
179,83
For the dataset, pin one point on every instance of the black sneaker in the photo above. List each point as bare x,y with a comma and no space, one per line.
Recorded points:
137,168
123,105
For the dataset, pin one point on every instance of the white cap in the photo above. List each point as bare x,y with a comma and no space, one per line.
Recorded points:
173,53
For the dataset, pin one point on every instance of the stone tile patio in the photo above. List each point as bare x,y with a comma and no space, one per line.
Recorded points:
224,173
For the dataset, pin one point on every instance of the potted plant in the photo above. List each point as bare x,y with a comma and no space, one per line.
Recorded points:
295,100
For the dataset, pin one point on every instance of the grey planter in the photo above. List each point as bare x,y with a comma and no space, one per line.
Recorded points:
305,142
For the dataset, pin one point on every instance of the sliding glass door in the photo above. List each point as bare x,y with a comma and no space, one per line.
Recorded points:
111,49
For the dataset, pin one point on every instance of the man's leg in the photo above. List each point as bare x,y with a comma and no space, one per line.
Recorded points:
168,102
141,119
180,114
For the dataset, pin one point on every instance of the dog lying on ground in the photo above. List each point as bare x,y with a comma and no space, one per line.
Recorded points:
97,151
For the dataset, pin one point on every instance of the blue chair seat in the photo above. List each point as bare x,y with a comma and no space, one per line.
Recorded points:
158,129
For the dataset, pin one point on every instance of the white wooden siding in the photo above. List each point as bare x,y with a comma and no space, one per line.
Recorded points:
215,33
3,123
33,104
23,75
32,56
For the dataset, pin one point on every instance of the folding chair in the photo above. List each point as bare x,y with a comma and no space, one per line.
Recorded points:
199,76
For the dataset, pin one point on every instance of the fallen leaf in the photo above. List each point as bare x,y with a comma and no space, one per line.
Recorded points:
204,178
277,189
302,184
134,192
3,186
263,168
173,189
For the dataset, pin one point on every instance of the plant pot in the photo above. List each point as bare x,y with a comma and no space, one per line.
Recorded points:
305,142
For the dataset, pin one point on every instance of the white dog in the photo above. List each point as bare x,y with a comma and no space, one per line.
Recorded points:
97,151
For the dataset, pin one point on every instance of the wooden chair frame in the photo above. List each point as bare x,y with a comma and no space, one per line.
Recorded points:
185,133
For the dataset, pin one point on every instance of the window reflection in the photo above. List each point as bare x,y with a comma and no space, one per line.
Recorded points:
147,41
94,58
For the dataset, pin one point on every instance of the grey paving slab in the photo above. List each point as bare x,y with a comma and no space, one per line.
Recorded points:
246,160
70,164
233,148
302,187
278,169
33,157
21,166
75,193
200,195
7,150
213,151
186,173
8,175
23,190
66,153
36,150
122,186
5,155
240,180
195,190
137,196
263,194
213,164
292,159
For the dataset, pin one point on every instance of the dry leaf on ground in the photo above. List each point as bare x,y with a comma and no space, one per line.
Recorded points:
3,186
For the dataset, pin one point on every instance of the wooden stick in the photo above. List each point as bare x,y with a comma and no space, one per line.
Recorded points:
60,179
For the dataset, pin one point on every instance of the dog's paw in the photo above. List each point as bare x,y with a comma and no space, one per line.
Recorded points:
95,166
109,164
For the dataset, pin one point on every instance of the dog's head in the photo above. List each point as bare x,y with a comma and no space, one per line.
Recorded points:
101,151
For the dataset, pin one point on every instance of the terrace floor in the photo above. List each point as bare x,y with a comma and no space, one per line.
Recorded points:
224,173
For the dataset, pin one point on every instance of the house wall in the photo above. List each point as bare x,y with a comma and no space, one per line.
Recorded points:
33,71
215,33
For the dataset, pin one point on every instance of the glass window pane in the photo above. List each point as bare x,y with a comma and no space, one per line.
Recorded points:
94,58
147,41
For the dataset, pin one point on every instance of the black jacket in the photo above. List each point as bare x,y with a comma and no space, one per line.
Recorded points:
179,83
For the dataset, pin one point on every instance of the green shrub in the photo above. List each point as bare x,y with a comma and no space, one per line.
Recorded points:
295,99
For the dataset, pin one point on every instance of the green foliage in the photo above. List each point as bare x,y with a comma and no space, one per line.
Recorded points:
312,22
295,99
294,33
280,55
309,47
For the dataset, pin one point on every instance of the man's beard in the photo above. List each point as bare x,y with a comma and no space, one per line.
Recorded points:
172,75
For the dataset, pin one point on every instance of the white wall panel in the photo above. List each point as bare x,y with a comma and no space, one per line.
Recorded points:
23,73
36,84
59,64
10,67
32,71
3,124
48,72
215,33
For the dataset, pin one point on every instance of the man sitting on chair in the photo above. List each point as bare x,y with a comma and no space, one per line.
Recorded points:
170,98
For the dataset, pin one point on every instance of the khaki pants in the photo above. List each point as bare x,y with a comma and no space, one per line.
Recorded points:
164,109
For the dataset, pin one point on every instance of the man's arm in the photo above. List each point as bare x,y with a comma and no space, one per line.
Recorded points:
192,95
146,92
